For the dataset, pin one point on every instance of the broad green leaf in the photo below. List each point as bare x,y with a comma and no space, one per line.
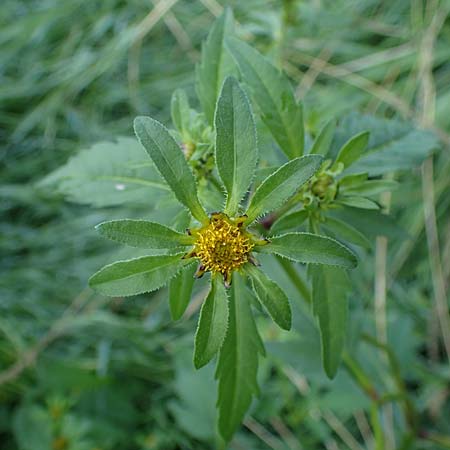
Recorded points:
323,141
393,144
281,185
237,366
271,297
136,276
180,111
353,149
215,64
142,233
369,187
348,181
347,232
273,93
310,248
108,174
330,288
171,163
212,324
289,222
357,202
236,146
180,290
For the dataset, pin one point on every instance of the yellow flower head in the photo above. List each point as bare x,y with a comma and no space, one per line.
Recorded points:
223,245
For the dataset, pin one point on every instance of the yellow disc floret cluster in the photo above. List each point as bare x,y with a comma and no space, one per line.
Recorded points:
222,245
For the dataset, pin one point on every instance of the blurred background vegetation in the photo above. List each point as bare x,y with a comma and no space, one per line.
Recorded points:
82,372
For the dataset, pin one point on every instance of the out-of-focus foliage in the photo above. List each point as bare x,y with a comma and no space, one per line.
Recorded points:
78,372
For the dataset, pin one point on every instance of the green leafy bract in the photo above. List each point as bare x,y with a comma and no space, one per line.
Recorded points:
212,324
180,289
136,276
330,288
282,184
353,149
310,248
271,297
272,92
236,146
323,141
171,163
143,234
238,361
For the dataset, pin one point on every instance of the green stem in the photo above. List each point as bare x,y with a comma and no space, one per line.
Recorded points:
295,278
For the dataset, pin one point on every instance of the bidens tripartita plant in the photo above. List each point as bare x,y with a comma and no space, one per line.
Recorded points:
215,153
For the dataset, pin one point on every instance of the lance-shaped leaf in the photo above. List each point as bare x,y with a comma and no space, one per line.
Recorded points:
238,361
353,149
357,202
143,234
322,143
310,248
274,96
215,64
281,185
180,290
330,288
212,324
171,163
236,146
271,297
345,231
136,276
180,111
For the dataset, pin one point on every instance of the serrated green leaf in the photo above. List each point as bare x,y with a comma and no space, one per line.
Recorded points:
180,290
215,64
136,276
330,288
310,248
180,111
237,366
142,233
347,232
357,202
289,222
273,93
323,141
171,163
353,149
236,145
212,324
278,187
108,174
271,296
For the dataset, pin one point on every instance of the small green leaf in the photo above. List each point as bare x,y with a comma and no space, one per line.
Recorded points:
237,366
236,146
271,297
289,222
136,276
142,233
273,93
353,149
347,232
180,290
180,111
323,141
310,248
330,288
215,64
171,163
212,324
357,202
281,185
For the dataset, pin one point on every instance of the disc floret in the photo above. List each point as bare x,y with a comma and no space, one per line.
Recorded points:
222,245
